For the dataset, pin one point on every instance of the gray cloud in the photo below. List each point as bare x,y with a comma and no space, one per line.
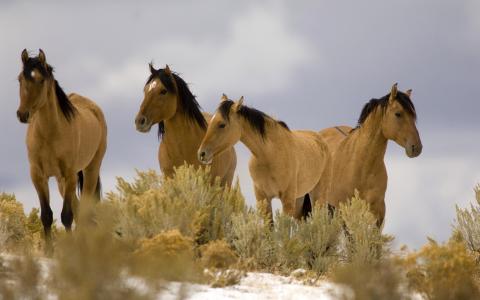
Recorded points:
312,64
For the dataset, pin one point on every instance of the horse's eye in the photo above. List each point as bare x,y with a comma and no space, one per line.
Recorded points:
163,92
398,115
222,125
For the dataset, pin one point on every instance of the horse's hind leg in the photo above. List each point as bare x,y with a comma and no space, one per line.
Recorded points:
41,185
304,206
91,176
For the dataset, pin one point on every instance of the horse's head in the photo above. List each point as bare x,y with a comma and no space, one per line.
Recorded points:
224,130
35,79
399,122
160,99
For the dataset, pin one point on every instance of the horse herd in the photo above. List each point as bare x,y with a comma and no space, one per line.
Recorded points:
67,139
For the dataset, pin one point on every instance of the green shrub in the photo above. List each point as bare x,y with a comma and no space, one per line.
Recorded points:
21,278
187,202
364,242
468,223
252,240
17,230
320,236
91,264
217,254
288,245
12,222
168,255
443,271
378,280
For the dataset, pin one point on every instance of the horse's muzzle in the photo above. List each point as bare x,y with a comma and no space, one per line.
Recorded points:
204,157
414,150
142,124
23,116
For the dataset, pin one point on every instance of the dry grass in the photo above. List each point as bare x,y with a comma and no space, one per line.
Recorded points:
156,229
218,255
444,271
364,242
168,255
187,202
468,223
379,280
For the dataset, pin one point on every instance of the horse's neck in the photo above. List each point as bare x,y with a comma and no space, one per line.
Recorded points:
47,119
261,148
370,144
182,134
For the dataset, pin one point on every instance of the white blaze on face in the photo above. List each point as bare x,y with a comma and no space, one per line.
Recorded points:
152,85
33,74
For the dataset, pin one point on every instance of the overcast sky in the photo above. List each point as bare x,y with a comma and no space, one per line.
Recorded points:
312,64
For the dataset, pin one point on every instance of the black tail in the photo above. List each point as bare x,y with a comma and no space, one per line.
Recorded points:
80,183
306,207
98,188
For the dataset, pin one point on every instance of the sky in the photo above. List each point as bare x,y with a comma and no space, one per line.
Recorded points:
312,64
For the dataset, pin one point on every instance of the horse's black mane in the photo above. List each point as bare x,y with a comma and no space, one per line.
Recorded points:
254,117
34,63
371,105
188,101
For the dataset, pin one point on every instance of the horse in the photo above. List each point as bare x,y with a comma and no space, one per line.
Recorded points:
285,164
66,139
169,103
358,153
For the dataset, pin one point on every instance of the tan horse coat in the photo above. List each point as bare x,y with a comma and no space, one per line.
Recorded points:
284,164
358,158
183,130
59,145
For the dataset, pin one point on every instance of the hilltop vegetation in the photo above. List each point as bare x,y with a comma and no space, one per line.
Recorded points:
156,229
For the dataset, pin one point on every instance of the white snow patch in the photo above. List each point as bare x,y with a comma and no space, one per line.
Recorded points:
257,286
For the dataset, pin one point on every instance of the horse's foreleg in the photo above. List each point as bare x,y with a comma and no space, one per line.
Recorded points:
69,200
231,169
41,186
290,205
377,206
264,204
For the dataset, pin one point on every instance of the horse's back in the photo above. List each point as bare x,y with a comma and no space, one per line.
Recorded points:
91,128
311,141
334,136
84,104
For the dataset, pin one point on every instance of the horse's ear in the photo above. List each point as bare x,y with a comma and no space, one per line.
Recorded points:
393,92
240,101
239,104
152,69
409,93
168,71
24,56
42,57
224,98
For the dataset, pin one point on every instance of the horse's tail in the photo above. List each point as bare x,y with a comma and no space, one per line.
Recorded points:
98,188
80,183
306,207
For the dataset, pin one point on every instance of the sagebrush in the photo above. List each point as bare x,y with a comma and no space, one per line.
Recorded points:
184,228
